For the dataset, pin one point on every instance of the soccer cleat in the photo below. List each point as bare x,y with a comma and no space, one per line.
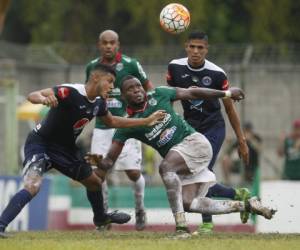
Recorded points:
4,235
182,232
256,207
140,220
114,217
243,194
205,228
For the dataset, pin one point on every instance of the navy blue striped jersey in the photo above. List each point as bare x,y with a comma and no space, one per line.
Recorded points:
64,123
200,114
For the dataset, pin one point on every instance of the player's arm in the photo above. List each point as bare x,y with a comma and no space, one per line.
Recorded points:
44,96
148,85
204,93
110,159
236,126
123,122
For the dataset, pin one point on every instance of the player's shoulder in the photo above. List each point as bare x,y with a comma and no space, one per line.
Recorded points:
179,61
78,88
213,67
128,60
93,62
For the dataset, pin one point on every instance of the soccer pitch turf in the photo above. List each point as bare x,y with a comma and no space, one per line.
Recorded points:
89,240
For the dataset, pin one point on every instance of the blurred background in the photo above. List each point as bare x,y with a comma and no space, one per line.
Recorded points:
44,43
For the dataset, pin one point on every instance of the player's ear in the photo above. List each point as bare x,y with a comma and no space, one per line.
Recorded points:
118,46
186,45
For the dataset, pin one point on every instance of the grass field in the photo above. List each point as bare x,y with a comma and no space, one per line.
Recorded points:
89,240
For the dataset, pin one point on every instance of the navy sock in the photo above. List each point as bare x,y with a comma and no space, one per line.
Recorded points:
14,207
222,191
96,200
207,218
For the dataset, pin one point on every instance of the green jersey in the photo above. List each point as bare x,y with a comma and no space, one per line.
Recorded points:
164,135
124,66
292,160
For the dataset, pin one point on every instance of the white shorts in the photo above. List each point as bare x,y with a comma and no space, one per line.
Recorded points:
196,151
131,156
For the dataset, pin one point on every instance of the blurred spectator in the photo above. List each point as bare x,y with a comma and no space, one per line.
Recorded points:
290,149
231,163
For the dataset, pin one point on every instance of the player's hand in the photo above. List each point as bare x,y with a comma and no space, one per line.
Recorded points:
50,101
93,159
156,117
244,152
236,94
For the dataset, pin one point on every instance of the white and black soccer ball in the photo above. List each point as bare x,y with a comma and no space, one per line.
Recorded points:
174,18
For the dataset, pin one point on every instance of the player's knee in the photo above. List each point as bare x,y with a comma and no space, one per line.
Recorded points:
33,186
133,175
164,167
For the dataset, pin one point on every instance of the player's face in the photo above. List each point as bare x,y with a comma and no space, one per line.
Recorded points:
105,84
133,92
196,50
108,46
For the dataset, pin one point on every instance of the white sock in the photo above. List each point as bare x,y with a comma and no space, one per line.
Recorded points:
208,206
174,191
105,196
139,190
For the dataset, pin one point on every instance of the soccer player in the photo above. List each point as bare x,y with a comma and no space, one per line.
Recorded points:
205,115
52,142
186,153
131,157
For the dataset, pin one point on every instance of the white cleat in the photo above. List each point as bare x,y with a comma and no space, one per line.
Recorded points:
256,207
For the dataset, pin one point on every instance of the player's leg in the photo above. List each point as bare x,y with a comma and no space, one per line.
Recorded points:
190,156
33,172
169,168
139,189
194,200
130,161
100,144
71,163
94,195
216,136
201,204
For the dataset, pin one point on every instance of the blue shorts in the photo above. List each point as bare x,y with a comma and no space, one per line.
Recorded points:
216,136
67,161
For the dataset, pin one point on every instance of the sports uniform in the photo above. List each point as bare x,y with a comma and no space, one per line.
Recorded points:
53,140
131,156
203,115
52,145
173,133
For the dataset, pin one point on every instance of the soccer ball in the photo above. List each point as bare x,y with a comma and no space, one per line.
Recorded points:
174,18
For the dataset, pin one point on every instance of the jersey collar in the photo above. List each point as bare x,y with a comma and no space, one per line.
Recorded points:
195,69
130,111
118,58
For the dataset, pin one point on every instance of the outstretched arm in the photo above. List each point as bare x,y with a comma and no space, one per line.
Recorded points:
205,93
44,96
123,122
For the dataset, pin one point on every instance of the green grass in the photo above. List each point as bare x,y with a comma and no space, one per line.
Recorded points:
89,240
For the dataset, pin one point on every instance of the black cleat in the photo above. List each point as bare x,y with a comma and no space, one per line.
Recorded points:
114,217
4,235
140,220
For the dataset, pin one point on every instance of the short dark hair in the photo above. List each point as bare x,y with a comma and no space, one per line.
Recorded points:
124,79
104,68
198,35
